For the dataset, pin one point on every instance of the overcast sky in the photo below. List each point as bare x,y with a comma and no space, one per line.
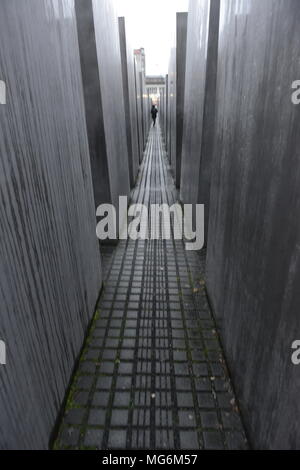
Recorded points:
151,25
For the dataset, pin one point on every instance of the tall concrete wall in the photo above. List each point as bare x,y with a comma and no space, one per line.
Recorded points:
130,98
181,43
139,108
172,109
200,103
253,267
145,108
163,112
176,94
50,267
99,44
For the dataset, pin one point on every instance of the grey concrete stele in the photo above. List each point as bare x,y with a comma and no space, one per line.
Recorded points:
139,97
199,103
176,87
104,101
130,100
253,269
50,264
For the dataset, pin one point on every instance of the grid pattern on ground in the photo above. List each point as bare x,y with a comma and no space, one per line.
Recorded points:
152,374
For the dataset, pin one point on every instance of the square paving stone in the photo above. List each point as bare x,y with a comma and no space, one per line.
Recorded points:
119,418
100,399
125,368
122,399
200,369
203,384
124,382
112,343
117,439
187,418
96,417
87,367
109,354
96,343
107,367
180,356
128,343
69,437
75,416
183,383
181,368
84,382
213,440
206,400
104,383
188,440
209,419
93,438
127,354
81,397
185,400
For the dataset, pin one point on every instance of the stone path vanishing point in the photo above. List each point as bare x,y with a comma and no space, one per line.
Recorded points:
152,374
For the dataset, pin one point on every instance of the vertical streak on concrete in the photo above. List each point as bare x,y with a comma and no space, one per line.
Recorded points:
181,40
50,265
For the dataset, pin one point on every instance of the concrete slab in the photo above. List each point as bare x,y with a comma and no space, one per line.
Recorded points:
200,101
253,270
50,265
105,112
130,100
176,95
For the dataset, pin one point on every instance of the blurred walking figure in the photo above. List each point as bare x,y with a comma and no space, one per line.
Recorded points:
154,112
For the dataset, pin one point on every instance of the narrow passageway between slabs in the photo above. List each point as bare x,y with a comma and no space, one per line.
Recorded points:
153,374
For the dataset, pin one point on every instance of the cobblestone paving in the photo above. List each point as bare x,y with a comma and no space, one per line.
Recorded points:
152,375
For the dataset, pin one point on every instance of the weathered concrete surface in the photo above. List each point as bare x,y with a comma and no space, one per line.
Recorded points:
137,73
50,267
105,113
176,91
145,108
130,98
172,109
199,102
181,43
207,140
166,97
163,112
253,269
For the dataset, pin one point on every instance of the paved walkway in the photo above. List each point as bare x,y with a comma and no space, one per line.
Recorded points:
152,374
